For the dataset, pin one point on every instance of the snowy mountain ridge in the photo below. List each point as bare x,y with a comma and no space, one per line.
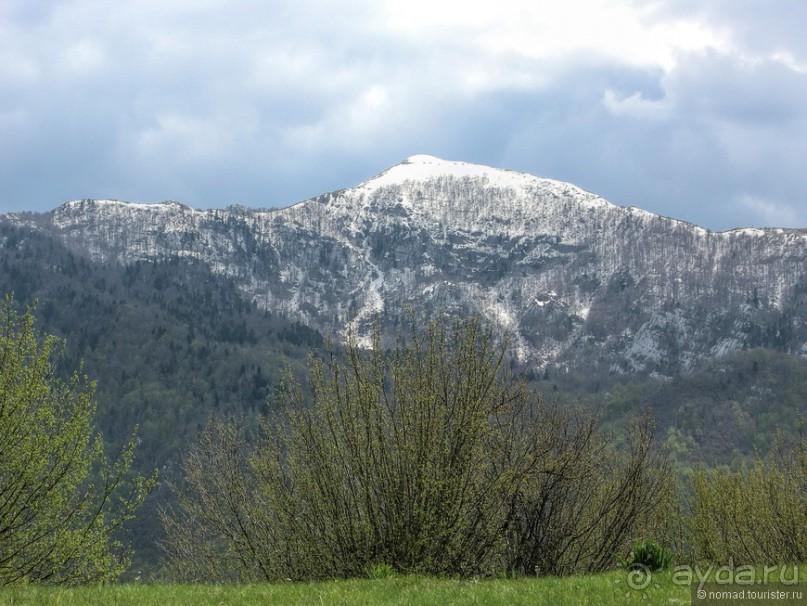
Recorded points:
575,280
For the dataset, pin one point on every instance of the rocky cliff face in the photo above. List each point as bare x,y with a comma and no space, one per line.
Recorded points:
577,282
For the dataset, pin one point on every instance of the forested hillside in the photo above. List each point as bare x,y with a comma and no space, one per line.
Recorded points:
169,344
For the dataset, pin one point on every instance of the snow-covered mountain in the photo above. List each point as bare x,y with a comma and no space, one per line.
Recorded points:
575,280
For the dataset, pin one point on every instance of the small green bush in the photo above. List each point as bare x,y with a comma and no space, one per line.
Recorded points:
650,555
379,571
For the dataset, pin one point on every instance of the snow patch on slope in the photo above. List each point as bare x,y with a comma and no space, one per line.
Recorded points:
424,168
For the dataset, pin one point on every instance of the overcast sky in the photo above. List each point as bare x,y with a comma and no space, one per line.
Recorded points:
691,109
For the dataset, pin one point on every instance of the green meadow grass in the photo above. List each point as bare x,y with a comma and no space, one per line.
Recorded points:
605,589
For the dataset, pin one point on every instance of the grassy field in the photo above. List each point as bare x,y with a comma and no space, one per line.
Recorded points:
610,588
605,589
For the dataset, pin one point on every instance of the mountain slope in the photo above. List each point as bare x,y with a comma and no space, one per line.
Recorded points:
164,303
170,344
576,281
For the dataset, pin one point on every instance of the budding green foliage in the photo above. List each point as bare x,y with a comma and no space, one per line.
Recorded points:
61,498
392,461
426,457
757,514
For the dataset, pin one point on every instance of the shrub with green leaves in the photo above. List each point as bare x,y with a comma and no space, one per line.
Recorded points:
380,571
650,555
583,500
61,498
428,457
753,515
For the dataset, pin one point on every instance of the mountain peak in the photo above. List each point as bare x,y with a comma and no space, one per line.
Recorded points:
424,159
423,167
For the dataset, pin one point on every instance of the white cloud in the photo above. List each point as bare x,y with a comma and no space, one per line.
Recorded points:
84,56
617,30
763,211
634,106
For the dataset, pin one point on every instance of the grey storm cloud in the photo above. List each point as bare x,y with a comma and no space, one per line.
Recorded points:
696,110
